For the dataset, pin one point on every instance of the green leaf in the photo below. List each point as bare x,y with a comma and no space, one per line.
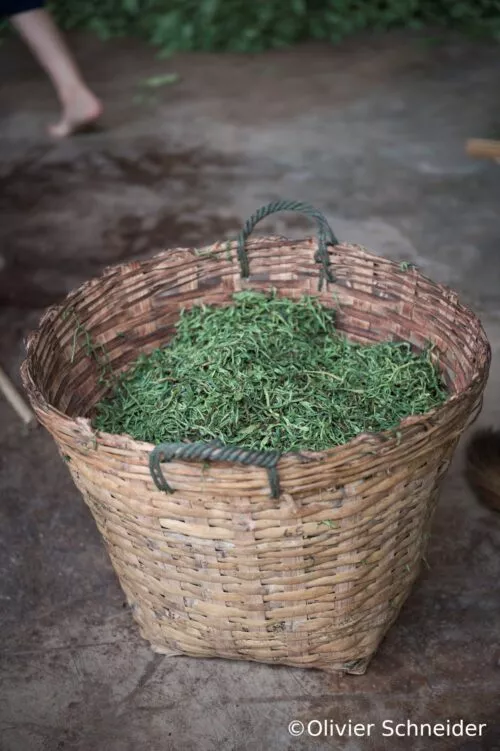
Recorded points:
249,429
130,6
165,79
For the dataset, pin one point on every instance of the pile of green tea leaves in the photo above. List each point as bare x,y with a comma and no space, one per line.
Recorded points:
268,373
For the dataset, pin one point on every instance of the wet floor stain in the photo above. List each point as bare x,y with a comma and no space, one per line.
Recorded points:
35,179
65,220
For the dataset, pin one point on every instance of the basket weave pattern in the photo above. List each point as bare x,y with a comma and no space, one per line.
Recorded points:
219,568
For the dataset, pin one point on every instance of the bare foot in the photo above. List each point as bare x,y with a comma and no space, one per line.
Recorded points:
80,110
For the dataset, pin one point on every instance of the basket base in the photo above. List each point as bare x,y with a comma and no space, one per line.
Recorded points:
358,667
165,651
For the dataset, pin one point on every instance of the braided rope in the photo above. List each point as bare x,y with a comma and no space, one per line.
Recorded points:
325,236
212,451
215,450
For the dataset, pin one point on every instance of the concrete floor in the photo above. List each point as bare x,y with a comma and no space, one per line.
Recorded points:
372,133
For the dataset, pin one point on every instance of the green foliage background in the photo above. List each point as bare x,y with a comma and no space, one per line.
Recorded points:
255,25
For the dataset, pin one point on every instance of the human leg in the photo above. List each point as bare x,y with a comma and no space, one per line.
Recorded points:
79,105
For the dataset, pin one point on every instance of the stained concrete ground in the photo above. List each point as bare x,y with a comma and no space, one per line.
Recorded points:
371,132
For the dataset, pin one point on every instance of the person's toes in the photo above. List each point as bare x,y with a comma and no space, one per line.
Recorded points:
60,129
77,119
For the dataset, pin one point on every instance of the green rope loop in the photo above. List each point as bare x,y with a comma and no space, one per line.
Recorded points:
212,451
215,450
325,236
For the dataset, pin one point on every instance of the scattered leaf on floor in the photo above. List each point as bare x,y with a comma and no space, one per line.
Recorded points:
166,79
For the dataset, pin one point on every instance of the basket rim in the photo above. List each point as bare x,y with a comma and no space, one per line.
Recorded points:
388,438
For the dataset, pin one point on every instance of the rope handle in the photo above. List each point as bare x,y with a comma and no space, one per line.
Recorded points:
325,236
212,451
216,450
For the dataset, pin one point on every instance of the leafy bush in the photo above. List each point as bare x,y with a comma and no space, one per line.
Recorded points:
255,25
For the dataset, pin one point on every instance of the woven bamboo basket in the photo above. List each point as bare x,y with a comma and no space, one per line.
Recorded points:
301,559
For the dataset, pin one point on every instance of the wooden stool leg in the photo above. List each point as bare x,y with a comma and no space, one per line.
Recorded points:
483,148
15,400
